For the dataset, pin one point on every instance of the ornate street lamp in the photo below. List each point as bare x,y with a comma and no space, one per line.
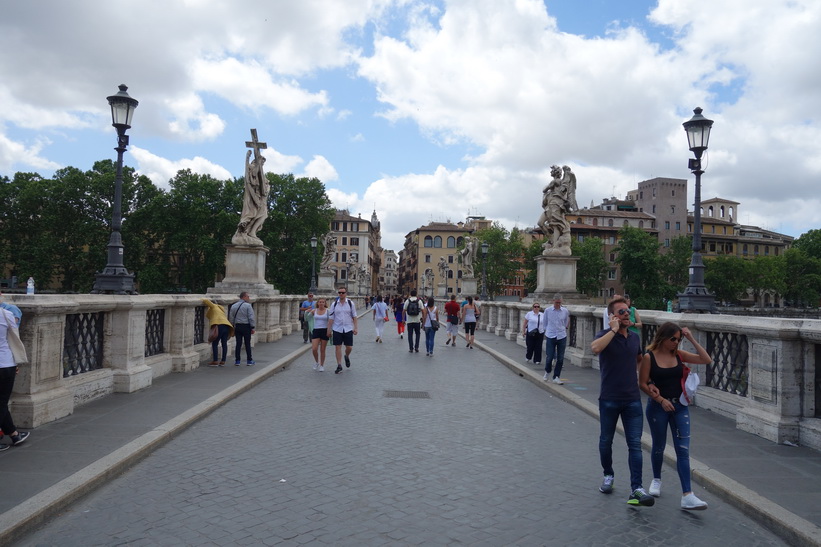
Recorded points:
485,248
115,279
696,297
313,265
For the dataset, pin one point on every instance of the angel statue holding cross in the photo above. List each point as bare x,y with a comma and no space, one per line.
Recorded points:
255,198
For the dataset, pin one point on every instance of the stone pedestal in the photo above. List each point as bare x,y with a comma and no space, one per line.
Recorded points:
556,274
470,286
244,271
326,283
442,291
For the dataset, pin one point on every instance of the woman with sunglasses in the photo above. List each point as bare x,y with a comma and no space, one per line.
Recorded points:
663,366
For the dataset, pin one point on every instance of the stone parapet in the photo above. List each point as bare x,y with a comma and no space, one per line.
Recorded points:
83,347
764,373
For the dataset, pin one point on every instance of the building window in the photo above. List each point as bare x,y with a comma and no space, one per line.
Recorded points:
579,238
451,242
775,251
654,192
673,192
712,247
344,257
654,209
354,241
428,241
611,275
335,226
667,242
450,274
460,241
625,223
344,240
427,259
342,274
612,257
673,209
641,224
678,226
354,226
437,242
450,259
612,240
641,195
666,224
755,250
610,222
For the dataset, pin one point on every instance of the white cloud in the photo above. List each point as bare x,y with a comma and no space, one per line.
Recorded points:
15,154
322,169
161,170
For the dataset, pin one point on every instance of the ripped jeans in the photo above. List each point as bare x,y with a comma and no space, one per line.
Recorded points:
679,421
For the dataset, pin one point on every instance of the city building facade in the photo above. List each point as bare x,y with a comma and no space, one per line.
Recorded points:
358,261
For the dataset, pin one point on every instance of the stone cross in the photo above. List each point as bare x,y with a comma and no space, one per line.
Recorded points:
255,144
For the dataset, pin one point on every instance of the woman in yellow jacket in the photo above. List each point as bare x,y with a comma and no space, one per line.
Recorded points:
216,316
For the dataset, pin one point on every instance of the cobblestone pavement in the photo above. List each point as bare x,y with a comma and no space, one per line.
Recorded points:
318,458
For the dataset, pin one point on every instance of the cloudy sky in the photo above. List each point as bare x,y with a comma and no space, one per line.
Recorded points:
429,110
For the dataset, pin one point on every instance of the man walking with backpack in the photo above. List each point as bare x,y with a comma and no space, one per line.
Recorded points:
413,314
342,325
241,315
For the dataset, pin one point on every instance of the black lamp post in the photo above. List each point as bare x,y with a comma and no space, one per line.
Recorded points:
312,290
115,279
485,248
696,297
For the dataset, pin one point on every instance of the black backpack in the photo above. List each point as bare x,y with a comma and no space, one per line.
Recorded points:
413,307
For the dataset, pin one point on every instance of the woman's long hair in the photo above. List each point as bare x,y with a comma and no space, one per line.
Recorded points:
431,302
665,331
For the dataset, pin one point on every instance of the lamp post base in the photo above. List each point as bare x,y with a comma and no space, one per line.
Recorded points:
696,300
114,282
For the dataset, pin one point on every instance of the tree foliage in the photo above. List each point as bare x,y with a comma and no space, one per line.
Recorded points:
504,255
640,263
592,267
809,243
298,209
727,277
56,230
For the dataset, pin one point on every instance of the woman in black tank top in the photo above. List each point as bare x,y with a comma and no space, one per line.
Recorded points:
663,366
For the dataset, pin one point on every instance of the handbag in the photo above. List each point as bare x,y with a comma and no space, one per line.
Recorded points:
18,350
434,324
214,333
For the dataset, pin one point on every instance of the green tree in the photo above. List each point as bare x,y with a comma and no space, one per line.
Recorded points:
504,257
675,266
639,261
298,209
765,273
802,279
809,243
592,267
726,276
185,231
531,271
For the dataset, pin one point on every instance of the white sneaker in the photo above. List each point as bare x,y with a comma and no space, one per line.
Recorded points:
557,380
321,369
546,376
691,503
316,366
527,360
655,488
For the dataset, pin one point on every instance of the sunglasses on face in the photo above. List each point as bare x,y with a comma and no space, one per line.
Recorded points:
536,306
675,340
623,311
341,292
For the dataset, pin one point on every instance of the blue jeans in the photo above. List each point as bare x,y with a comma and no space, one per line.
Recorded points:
242,332
679,422
430,334
631,419
554,347
221,339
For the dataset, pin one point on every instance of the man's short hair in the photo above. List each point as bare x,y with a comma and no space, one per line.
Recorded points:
556,297
413,292
243,294
453,297
616,300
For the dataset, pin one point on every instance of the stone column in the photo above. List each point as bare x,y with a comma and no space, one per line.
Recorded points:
513,322
39,395
502,320
124,343
268,328
491,313
180,334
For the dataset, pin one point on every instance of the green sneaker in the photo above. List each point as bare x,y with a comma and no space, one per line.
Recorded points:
640,497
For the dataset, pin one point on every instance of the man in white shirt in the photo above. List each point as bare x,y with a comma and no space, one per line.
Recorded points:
557,320
342,325
533,332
